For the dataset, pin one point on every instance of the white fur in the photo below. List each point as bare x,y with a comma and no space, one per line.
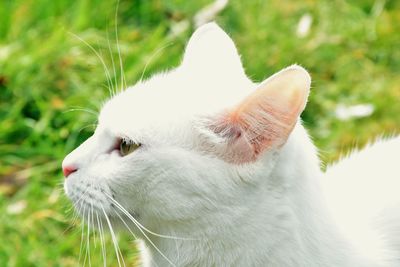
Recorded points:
270,212
363,194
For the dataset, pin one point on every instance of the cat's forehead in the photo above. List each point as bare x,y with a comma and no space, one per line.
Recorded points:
167,99
139,107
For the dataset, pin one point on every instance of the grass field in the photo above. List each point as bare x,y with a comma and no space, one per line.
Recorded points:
47,76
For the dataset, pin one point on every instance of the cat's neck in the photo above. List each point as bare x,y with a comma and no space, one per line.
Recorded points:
281,223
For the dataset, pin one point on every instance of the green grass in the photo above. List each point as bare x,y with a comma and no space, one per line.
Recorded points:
351,51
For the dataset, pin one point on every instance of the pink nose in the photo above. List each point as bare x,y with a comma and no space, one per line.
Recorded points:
67,170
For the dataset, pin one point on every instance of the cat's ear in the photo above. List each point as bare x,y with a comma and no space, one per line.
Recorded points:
265,118
211,50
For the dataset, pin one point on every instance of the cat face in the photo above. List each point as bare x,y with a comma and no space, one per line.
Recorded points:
180,147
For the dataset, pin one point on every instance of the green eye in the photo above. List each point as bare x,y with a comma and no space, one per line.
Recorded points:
127,147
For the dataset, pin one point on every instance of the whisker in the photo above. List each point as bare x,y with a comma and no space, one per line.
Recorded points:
108,76
73,220
141,226
114,239
79,207
112,61
115,86
78,202
150,241
93,110
82,236
87,126
158,51
75,217
177,250
81,109
94,232
123,82
90,111
88,240
128,228
102,242
70,226
126,225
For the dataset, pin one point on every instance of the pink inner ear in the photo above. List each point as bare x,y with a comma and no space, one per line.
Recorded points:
265,118
238,148
249,134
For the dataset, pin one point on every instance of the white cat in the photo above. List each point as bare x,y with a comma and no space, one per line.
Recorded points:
220,171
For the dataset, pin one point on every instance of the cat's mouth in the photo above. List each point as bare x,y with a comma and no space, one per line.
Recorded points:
87,197
97,203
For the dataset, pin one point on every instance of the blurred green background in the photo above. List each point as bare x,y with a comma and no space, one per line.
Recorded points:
51,85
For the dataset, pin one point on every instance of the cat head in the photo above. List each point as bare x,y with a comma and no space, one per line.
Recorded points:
182,144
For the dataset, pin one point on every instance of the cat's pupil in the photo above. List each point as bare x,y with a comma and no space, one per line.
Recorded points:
127,147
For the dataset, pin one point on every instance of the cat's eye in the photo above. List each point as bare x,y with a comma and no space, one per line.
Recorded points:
126,147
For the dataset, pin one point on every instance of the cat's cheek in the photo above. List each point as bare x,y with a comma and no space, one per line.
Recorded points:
110,155
115,154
